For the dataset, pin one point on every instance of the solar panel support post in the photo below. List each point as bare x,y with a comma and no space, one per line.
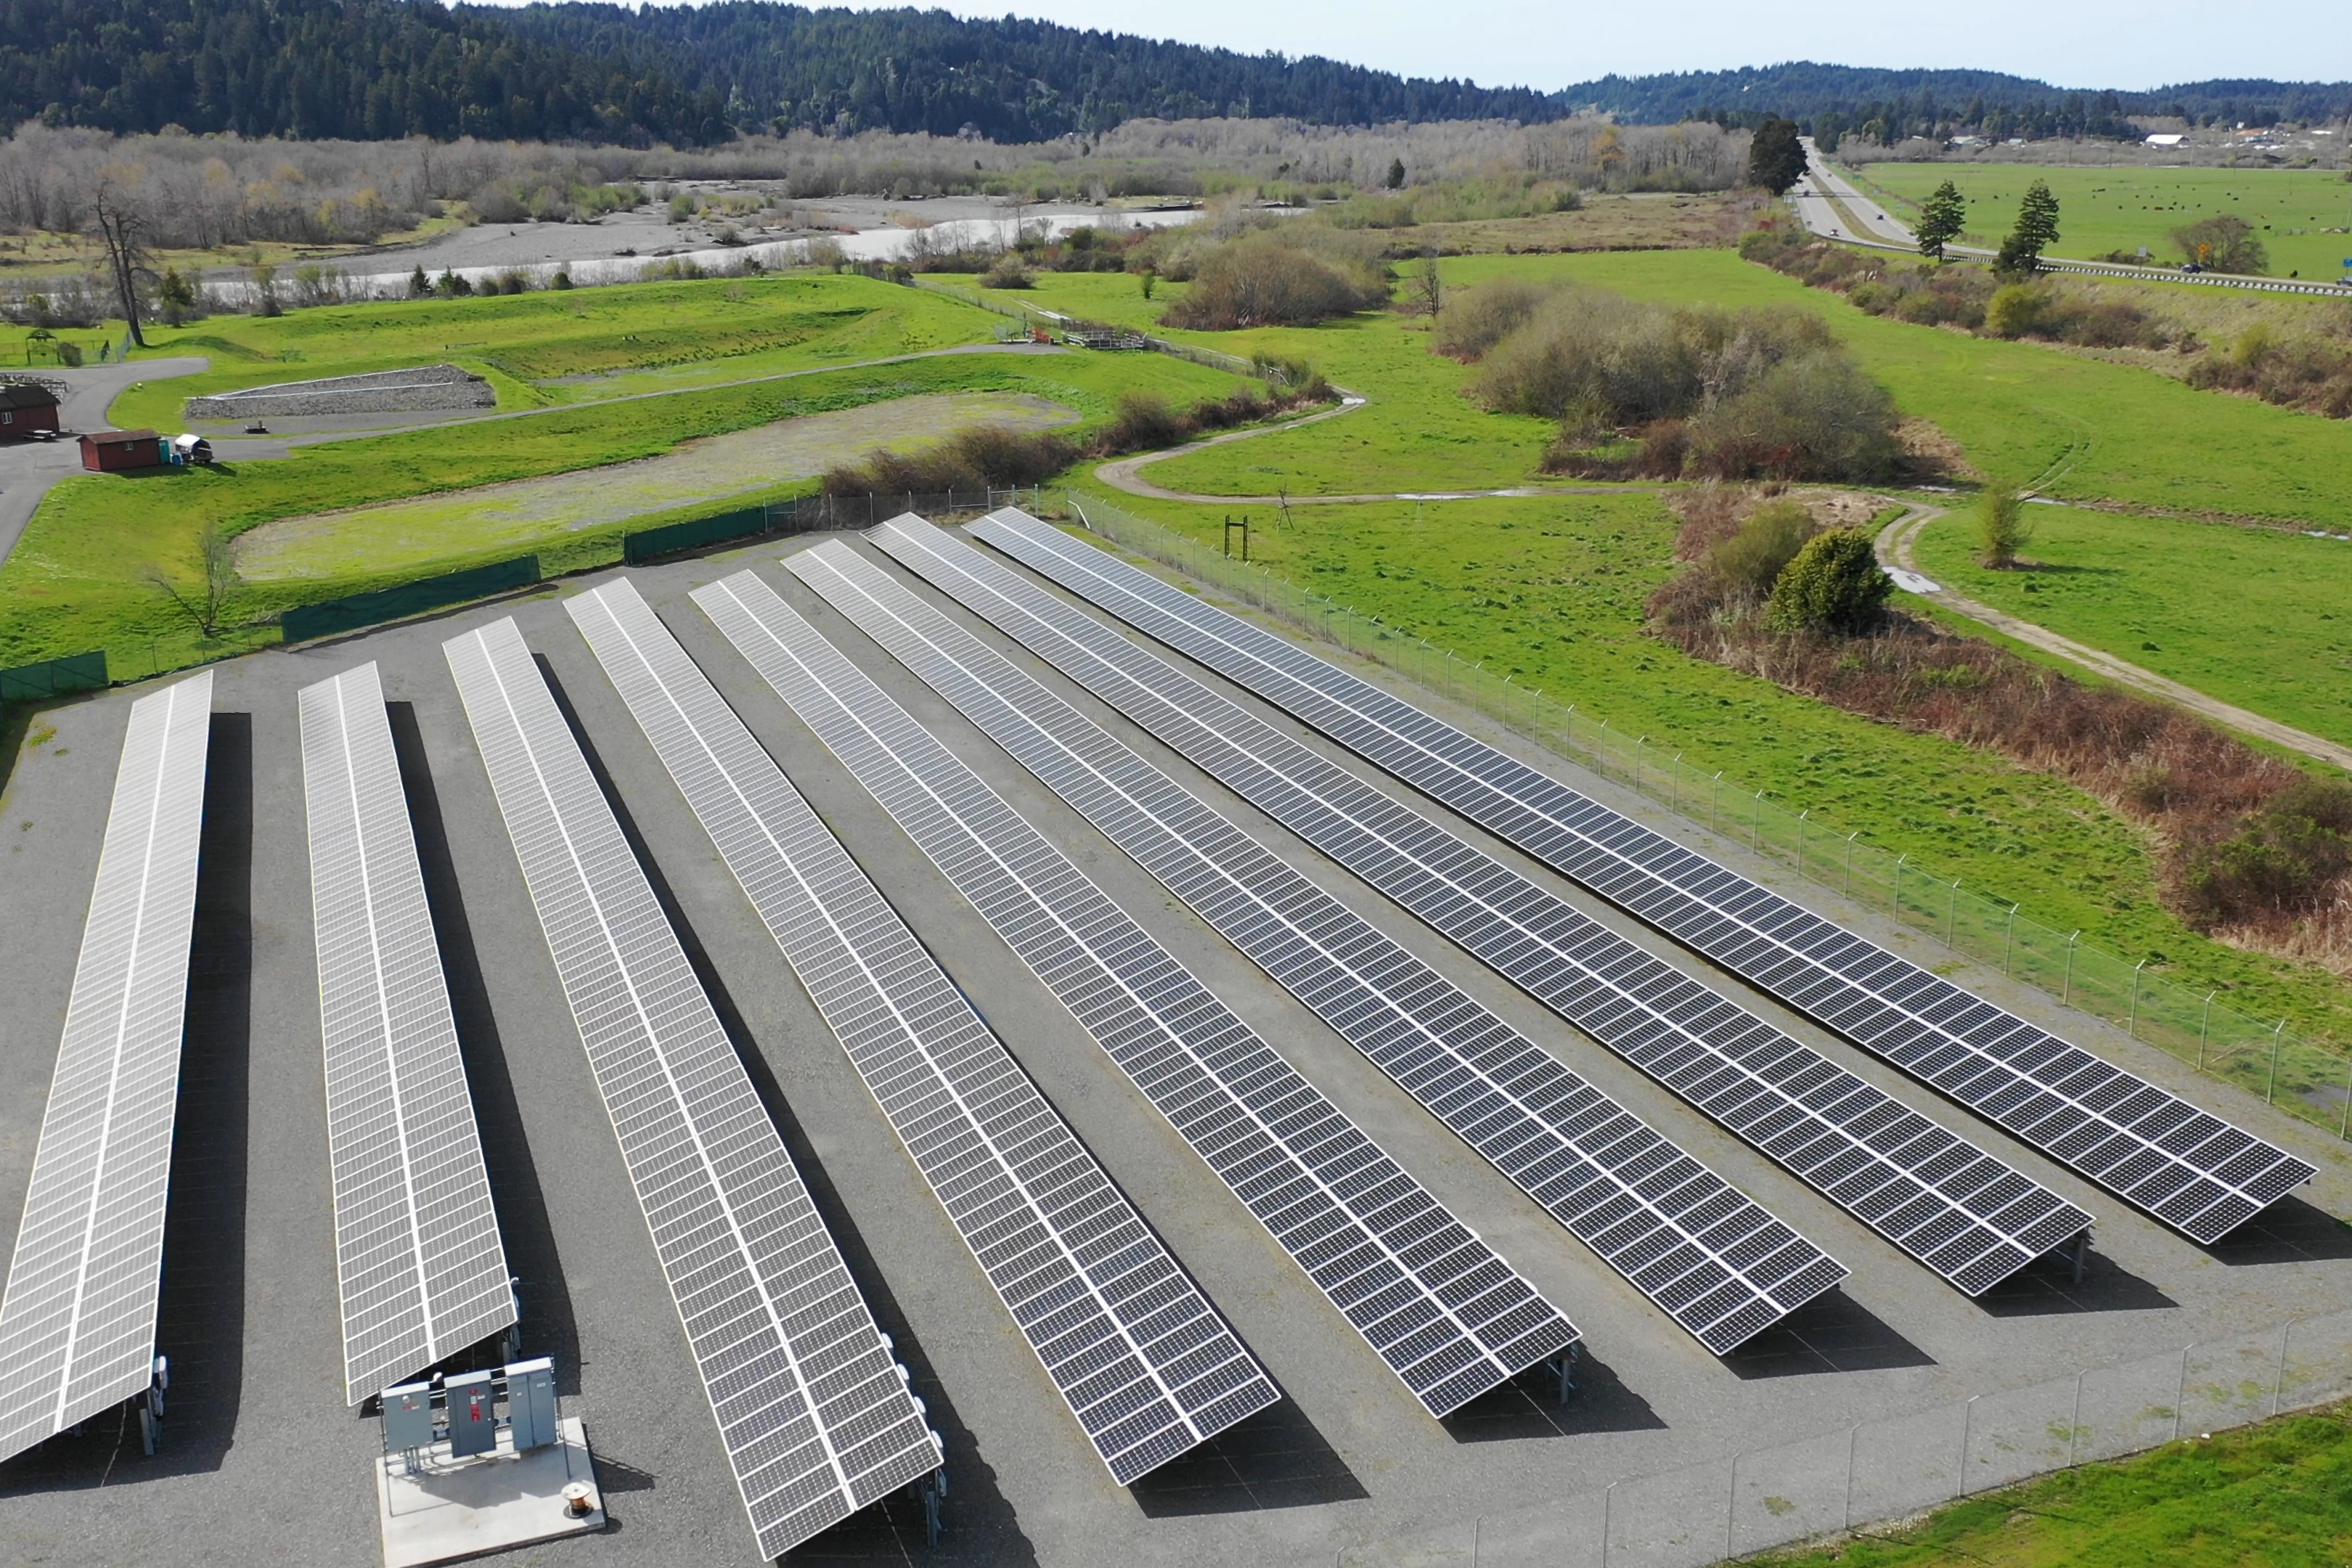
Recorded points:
2078,1253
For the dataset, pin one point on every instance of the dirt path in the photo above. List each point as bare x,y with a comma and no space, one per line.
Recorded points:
1896,549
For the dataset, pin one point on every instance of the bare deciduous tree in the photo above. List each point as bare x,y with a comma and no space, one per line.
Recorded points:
121,219
216,581
1429,287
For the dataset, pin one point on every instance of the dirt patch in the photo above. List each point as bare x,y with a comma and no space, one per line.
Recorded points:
433,528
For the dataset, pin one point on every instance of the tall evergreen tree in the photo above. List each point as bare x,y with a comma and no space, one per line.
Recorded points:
2036,230
1941,217
1776,159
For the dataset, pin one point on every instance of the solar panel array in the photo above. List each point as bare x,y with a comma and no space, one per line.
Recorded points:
1963,1214
1144,1362
815,1411
1450,1318
2181,1163
417,1253
78,1321
1707,1256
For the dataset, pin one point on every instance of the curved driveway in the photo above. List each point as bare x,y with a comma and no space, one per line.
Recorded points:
27,469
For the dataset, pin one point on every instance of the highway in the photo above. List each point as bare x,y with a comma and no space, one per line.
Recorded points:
1831,207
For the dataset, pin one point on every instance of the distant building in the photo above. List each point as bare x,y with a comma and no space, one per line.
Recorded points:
26,407
111,451
2166,139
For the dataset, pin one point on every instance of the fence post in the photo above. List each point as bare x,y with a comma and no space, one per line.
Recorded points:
1638,744
1895,902
2066,997
2278,1039
1801,838
2205,1030
2344,1128
1756,825
2074,1422
1714,803
1952,916
1968,1426
2278,1384
2131,1020
1847,1523
1849,860
1731,1509
2009,947
2180,1396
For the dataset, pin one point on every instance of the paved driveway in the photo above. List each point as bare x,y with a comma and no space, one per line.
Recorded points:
27,469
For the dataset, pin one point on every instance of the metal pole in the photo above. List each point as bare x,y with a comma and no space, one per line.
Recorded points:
2278,1039
2181,1397
2278,1384
2131,1023
1756,828
2009,947
2344,1127
1801,838
2066,997
1895,902
1952,916
2074,1422
1477,1526
2205,1029
1968,1426
1731,1507
1849,861
1715,819
1606,1497
1850,1437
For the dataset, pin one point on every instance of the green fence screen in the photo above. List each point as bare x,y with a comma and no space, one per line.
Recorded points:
646,543
359,610
53,678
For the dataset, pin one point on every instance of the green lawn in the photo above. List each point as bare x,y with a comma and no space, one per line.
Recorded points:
2258,618
579,345
2027,412
2274,1496
78,579
1551,589
2107,209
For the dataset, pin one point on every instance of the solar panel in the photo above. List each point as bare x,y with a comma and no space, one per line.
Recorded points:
1450,1318
417,1253
1707,1256
1967,1216
78,1321
1144,1362
813,1409
2182,1164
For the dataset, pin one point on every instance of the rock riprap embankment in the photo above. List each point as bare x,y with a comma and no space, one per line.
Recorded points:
427,389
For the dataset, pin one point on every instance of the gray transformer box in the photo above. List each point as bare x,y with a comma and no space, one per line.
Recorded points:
473,1414
531,1403
408,1417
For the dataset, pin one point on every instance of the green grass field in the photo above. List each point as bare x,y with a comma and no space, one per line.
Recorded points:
78,578
2027,412
2258,618
579,345
1551,589
2123,208
2274,1496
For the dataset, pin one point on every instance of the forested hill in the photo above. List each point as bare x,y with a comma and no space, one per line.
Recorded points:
373,69
380,68
1807,92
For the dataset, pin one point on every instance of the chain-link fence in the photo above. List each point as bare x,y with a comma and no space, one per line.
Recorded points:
2303,1076
1850,1478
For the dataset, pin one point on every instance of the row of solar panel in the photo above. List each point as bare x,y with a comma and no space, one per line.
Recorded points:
817,1416
2179,1163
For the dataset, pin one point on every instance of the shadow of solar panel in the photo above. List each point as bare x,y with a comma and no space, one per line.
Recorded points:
813,1408
417,1254
1925,1194
2184,1165
1450,1319
1144,1362
1664,1221
78,1321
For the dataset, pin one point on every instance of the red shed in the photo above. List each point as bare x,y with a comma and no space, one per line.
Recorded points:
109,451
24,408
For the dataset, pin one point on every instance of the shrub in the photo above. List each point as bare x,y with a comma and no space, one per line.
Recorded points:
2002,526
1816,416
984,457
1006,273
1144,421
1751,561
1479,319
2013,310
1289,277
1833,584
2284,859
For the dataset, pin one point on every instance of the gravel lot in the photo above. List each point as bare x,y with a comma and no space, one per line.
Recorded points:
260,1452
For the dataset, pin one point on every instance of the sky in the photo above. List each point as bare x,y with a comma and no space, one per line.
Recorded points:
1546,45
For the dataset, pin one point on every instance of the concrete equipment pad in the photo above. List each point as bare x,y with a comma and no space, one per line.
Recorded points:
448,1509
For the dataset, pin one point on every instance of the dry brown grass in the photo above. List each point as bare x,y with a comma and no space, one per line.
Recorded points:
1712,220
